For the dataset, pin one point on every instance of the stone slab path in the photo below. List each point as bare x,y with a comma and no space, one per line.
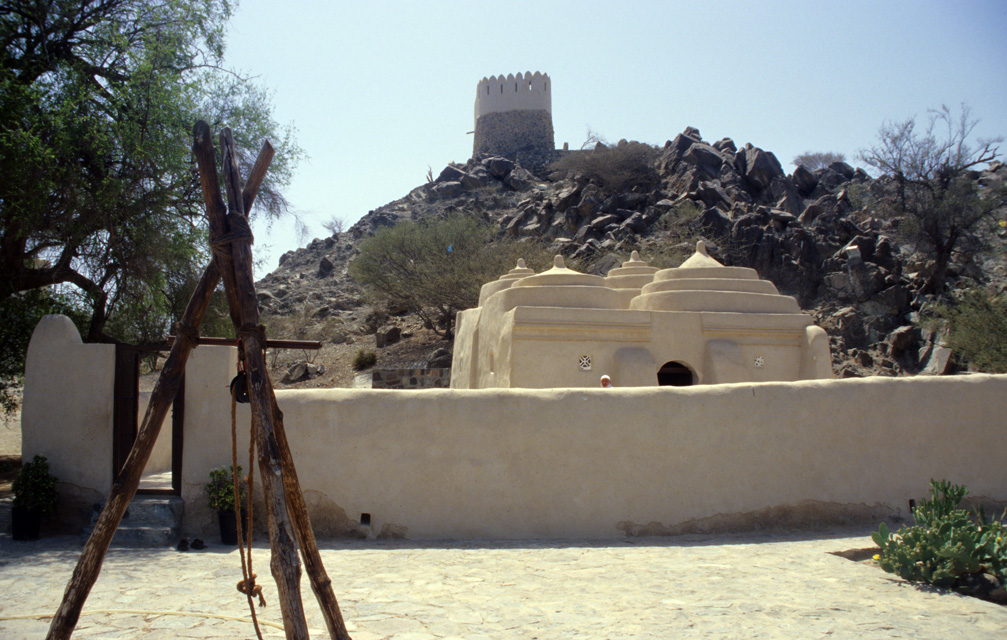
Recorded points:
724,586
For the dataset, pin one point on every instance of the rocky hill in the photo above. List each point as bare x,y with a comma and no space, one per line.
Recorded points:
812,233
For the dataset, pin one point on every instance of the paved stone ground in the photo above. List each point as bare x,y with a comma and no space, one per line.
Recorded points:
728,586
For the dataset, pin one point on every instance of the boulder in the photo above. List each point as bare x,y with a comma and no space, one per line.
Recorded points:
705,157
450,173
715,223
805,181
498,167
386,336
324,267
438,359
758,167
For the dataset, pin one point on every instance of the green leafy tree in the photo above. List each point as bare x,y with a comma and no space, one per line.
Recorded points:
99,190
938,201
435,267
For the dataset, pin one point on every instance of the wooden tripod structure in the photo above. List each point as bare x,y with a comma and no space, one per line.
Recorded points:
289,528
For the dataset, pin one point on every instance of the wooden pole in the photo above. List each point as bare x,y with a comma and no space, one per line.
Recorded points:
124,487
234,258
268,414
267,419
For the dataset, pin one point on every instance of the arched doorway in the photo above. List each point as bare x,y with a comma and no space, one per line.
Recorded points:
675,374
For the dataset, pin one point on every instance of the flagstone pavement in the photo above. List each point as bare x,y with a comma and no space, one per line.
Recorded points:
781,585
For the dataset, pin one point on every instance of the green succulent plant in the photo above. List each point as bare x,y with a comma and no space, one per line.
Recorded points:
946,544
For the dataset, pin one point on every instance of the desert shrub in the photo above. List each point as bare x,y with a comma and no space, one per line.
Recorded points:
364,359
435,267
614,168
812,160
977,330
947,544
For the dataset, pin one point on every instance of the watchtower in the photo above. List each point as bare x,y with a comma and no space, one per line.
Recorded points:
514,118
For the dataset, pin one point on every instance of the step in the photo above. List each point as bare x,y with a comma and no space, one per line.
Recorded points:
149,521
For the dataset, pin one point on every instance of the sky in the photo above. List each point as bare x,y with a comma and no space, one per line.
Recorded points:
379,92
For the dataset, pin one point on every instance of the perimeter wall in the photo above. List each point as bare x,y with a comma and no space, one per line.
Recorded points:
576,463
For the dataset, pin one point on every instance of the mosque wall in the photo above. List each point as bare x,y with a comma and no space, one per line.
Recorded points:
559,463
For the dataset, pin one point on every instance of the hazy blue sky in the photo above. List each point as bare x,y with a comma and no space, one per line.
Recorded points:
379,91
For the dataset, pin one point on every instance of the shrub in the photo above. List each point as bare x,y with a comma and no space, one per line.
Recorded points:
812,160
977,330
220,489
947,546
614,168
35,488
364,359
435,267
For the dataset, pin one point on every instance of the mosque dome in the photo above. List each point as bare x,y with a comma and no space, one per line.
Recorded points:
504,281
703,284
560,287
633,274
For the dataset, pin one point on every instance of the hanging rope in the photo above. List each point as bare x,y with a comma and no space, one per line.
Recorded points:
247,584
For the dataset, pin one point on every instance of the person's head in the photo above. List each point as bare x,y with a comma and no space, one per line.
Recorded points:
606,382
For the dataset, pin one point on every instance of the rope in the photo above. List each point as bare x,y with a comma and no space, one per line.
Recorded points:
247,584
239,230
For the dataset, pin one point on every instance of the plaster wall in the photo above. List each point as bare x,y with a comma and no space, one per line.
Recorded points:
564,463
557,463
66,414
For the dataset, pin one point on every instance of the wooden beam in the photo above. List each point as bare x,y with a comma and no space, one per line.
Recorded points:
166,388
124,487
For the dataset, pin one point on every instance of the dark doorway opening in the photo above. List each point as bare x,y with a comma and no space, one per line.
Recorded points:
675,374
126,419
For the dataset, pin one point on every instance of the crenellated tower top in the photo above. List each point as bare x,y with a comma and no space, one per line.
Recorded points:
522,92
513,118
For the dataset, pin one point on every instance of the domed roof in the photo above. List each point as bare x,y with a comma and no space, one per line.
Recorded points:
560,276
504,281
703,284
558,287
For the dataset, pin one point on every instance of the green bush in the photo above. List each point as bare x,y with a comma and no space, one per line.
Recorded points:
614,168
435,267
977,330
946,545
364,359
220,489
35,488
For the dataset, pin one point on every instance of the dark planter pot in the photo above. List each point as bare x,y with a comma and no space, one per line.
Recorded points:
25,523
229,527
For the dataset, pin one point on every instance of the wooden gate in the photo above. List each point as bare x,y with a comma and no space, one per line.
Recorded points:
125,420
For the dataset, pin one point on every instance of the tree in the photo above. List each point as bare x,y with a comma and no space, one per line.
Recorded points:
977,329
435,267
812,160
938,200
99,190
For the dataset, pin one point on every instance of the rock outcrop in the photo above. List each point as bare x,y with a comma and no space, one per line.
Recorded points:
811,233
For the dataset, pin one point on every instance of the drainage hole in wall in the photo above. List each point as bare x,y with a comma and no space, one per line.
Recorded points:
365,519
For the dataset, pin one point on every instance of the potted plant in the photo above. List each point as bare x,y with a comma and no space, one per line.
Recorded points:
34,498
220,497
